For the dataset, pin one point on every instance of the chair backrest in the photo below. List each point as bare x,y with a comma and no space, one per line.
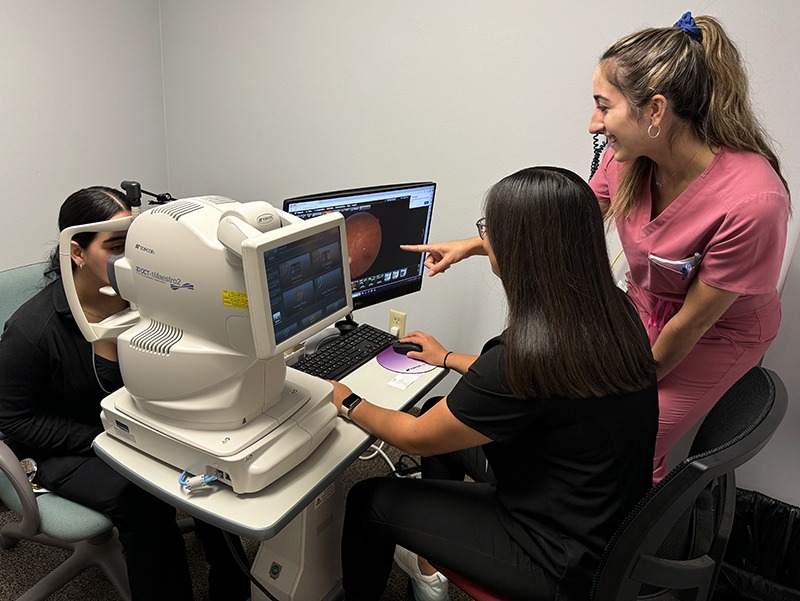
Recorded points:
17,285
675,538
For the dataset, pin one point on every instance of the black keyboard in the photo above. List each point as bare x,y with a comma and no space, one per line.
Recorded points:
346,354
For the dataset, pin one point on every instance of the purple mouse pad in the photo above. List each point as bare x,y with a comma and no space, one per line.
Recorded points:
398,362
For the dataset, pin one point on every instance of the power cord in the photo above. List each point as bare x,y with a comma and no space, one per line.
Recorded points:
244,567
405,467
619,254
191,483
402,469
598,145
377,450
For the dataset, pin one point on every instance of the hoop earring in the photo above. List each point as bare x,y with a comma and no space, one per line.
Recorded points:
650,133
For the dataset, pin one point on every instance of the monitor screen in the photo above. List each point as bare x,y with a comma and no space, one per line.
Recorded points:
297,282
378,220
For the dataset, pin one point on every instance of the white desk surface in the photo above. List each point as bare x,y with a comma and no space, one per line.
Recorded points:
261,515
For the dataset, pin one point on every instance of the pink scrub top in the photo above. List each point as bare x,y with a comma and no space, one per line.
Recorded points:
728,228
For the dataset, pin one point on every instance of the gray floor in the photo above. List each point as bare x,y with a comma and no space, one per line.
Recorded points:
23,565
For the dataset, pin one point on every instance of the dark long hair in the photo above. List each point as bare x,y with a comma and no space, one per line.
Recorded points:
88,205
570,330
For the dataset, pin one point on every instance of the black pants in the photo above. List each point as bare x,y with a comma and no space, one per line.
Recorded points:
155,552
452,523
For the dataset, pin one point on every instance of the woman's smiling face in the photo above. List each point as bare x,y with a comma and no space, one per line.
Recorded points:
612,117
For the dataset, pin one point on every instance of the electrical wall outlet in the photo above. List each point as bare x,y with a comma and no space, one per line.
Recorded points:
397,323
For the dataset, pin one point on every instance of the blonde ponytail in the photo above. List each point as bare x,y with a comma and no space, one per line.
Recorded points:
705,83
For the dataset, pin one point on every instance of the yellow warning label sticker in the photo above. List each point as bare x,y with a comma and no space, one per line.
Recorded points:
235,298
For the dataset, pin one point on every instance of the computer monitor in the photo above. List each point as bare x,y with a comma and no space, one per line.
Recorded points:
378,220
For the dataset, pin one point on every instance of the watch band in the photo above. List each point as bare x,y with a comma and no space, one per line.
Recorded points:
348,404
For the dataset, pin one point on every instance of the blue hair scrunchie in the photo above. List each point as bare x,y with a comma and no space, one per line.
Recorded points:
687,24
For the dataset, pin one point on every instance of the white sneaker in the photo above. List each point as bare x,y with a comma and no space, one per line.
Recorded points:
426,588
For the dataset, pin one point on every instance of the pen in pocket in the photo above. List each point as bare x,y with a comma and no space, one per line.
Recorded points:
683,266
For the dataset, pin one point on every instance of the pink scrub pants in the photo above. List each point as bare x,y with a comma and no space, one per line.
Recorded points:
734,344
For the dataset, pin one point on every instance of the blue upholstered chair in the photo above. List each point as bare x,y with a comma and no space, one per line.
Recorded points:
47,518
17,285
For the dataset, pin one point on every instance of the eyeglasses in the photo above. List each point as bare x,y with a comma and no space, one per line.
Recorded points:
481,225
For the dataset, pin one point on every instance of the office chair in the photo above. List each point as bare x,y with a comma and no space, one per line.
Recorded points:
47,518
52,520
672,543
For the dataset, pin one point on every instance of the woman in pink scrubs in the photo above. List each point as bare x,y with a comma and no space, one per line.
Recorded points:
700,205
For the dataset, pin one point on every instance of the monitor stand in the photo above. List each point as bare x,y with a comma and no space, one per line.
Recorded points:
346,325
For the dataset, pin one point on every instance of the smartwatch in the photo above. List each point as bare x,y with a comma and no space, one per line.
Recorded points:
348,404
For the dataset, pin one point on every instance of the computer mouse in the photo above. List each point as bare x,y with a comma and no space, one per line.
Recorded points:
404,347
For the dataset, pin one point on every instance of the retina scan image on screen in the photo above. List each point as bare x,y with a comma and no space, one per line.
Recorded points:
378,220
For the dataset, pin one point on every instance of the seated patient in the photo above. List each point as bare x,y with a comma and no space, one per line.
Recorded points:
51,383
563,403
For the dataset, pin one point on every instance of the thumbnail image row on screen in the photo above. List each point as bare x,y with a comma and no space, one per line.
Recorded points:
303,267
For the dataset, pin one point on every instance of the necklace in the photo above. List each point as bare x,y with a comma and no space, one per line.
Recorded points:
660,184
101,317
